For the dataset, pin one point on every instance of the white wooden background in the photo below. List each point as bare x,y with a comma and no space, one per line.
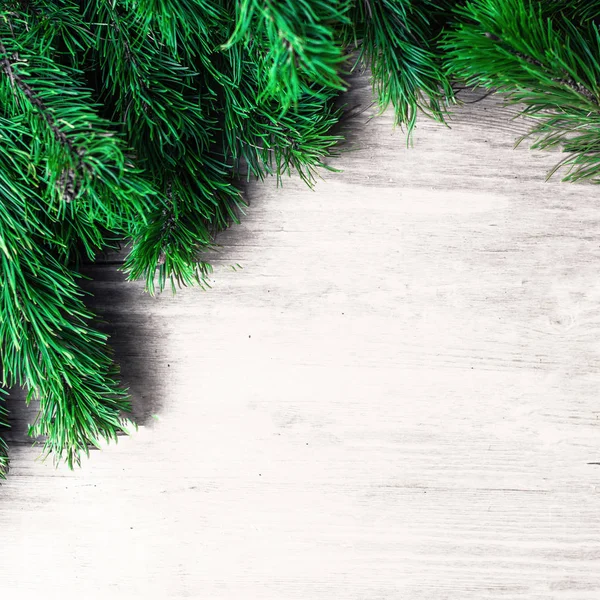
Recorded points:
397,397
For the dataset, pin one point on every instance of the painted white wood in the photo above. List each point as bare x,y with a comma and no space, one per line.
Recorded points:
396,397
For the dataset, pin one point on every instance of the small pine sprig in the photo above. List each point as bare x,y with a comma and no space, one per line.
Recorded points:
49,344
298,141
538,57
149,90
64,180
397,40
196,204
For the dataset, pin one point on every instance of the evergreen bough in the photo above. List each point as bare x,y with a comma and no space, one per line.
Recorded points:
134,120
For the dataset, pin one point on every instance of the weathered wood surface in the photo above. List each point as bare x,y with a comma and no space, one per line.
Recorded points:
395,398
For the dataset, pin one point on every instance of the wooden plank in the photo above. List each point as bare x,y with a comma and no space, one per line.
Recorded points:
395,397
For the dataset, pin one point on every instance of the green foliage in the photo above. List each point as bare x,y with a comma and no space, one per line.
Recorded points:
397,39
195,208
134,120
545,57
49,344
294,45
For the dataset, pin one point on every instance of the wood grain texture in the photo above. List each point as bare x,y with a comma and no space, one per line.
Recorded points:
396,397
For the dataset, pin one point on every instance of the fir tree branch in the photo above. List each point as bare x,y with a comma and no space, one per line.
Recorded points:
153,95
46,335
294,43
257,133
156,99
67,182
397,40
273,144
540,58
85,170
197,204
200,199
230,84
